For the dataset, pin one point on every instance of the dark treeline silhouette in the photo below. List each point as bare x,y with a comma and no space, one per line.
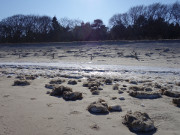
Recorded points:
156,21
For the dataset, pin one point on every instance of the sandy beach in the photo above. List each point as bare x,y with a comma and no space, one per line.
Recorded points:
28,110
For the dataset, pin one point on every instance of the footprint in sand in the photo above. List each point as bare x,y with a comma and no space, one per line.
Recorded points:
95,127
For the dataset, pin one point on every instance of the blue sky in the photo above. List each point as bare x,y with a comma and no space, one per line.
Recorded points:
86,10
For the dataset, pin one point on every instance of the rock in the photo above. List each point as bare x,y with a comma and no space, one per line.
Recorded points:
48,92
108,81
138,122
169,93
116,79
20,77
113,98
68,95
123,89
136,88
122,98
120,91
114,108
156,85
95,92
79,80
145,95
115,86
58,81
124,85
99,88
30,77
92,84
99,107
49,86
176,101
133,82
21,83
58,91
94,88
148,89
72,82
178,83
85,84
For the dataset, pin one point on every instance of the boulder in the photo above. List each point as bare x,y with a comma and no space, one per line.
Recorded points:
72,82
148,89
108,81
178,83
30,77
169,93
58,91
176,101
68,95
121,98
116,87
49,86
136,88
94,88
98,107
145,95
138,122
93,84
133,82
21,83
95,92
85,84
58,81
120,91
114,108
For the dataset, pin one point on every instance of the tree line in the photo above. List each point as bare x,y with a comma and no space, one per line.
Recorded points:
156,21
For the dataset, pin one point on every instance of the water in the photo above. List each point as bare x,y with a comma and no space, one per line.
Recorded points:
93,69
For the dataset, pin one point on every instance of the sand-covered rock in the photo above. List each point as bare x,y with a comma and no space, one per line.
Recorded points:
85,84
108,81
114,108
21,83
122,98
120,91
68,95
30,77
116,87
178,83
94,88
169,93
145,95
58,91
133,82
49,86
156,85
57,81
136,88
92,84
176,101
98,107
95,92
72,82
138,122
148,89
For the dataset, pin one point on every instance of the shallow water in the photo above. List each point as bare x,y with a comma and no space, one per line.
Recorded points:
91,67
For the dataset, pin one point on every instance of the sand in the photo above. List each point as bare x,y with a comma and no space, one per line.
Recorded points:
29,110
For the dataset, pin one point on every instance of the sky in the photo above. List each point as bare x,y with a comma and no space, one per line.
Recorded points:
86,10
